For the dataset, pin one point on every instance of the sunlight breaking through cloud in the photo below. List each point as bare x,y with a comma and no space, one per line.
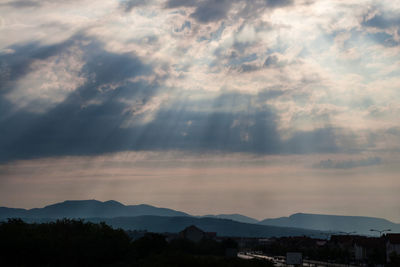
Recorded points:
258,79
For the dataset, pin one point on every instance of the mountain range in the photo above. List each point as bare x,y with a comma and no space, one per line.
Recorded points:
168,220
88,208
334,223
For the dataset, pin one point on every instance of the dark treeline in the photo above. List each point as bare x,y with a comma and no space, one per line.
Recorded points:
78,243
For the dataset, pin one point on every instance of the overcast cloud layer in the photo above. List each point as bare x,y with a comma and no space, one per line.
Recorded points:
256,77
269,77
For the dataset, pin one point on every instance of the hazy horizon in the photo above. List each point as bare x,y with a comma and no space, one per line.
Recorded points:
205,214
262,107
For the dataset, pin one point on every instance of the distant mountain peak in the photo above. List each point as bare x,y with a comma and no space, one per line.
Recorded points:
86,202
333,223
234,217
317,215
145,205
113,202
89,208
75,201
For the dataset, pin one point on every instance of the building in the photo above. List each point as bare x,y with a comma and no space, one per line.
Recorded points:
392,246
345,242
192,233
369,249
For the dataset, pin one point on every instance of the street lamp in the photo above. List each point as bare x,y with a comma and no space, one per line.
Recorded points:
380,231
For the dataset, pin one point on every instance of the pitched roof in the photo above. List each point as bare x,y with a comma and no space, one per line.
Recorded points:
192,228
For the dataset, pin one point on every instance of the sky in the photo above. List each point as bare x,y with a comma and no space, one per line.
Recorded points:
259,107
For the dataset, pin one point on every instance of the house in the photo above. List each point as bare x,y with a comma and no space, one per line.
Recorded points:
392,246
193,233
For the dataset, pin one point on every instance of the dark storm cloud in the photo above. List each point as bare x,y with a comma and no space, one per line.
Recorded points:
71,127
112,67
348,164
70,130
101,66
93,119
215,131
214,10
17,64
228,124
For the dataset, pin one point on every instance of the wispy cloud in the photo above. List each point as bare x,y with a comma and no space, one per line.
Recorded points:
348,164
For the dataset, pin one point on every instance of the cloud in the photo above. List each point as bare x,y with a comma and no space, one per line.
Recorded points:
128,5
21,4
271,61
323,140
33,3
383,25
348,164
76,122
211,10
381,20
180,3
279,3
100,77
38,77
99,118
268,85
207,11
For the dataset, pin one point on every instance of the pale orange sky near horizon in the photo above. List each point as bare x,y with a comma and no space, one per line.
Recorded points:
275,186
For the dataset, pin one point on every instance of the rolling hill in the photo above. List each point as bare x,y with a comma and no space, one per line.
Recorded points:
169,220
223,227
359,224
234,217
88,208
